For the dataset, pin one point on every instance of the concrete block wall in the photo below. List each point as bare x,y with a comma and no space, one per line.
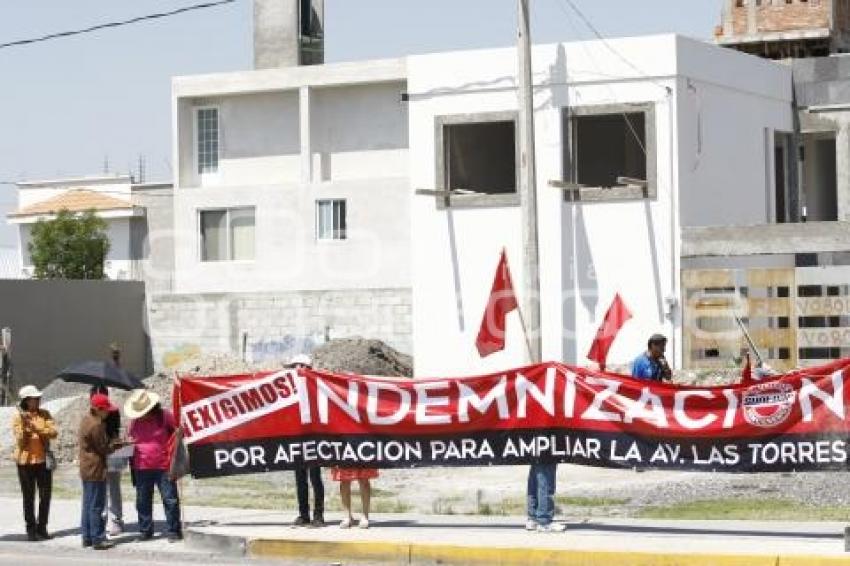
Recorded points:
271,326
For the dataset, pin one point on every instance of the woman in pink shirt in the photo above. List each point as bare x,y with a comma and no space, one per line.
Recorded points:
150,430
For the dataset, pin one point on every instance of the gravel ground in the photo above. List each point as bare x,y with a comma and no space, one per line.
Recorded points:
500,490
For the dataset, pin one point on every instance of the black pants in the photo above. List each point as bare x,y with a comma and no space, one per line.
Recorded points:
31,476
303,493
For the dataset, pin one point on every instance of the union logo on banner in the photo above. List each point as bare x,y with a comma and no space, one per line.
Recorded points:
768,404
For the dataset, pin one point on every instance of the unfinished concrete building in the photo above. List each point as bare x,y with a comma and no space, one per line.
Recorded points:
812,163
787,279
780,29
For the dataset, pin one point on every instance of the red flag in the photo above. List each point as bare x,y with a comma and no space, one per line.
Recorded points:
747,372
615,318
491,336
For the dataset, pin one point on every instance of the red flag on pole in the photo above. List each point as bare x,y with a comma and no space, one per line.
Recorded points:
615,318
491,336
747,372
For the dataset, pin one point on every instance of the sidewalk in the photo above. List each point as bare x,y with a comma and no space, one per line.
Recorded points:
450,540
461,540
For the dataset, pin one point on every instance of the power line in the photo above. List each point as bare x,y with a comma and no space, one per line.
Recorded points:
593,63
610,47
115,24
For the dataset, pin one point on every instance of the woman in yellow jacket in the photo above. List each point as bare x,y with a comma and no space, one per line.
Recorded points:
34,429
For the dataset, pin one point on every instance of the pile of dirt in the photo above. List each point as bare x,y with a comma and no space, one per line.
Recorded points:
58,389
364,357
68,424
222,364
354,355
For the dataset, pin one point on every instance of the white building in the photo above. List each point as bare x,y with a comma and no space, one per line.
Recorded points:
695,121
292,179
291,211
296,218
111,199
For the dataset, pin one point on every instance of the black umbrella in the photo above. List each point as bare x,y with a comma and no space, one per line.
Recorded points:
105,374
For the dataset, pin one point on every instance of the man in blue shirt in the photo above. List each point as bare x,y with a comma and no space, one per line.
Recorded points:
651,364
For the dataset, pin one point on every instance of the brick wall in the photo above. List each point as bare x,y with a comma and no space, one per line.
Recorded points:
277,325
777,15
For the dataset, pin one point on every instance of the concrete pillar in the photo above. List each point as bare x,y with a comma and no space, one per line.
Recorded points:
306,145
752,22
842,171
288,33
833,12
728,18
276,34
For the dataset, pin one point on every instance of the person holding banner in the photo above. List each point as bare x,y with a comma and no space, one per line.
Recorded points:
314,473
540,499
652,364
363,476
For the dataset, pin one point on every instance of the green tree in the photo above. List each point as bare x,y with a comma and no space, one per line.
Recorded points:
71,246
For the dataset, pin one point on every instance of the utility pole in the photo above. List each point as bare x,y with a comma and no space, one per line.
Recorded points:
528,186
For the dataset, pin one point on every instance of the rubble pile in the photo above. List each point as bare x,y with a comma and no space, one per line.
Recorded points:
364,357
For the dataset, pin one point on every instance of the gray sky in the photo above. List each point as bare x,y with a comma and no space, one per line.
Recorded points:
67,104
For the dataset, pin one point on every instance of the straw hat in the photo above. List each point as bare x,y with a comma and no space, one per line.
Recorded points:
140,402
29,391
301,359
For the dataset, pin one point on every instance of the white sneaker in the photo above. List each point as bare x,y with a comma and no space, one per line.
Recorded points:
364,523
115,529
531,525
346,523
553,527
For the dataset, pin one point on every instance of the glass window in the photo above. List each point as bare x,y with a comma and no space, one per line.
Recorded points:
330,219
227,235
242,233
207,129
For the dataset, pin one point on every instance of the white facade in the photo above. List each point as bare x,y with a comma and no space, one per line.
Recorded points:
714,113
287,139
122,259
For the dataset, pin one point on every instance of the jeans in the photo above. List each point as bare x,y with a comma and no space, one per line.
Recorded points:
303,493
541,493
146,481
92,526
113,488
30,477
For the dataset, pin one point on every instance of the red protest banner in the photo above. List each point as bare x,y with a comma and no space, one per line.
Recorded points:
547,412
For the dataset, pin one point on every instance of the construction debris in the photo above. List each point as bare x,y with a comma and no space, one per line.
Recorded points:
363,357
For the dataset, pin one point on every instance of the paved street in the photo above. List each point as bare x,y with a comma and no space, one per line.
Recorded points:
15,554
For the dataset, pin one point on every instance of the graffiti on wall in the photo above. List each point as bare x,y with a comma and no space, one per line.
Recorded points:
282,348
181,355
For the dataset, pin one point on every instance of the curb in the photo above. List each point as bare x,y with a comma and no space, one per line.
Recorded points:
429,554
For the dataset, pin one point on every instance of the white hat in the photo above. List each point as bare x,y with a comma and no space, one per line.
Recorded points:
301,359
29,391
140,403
